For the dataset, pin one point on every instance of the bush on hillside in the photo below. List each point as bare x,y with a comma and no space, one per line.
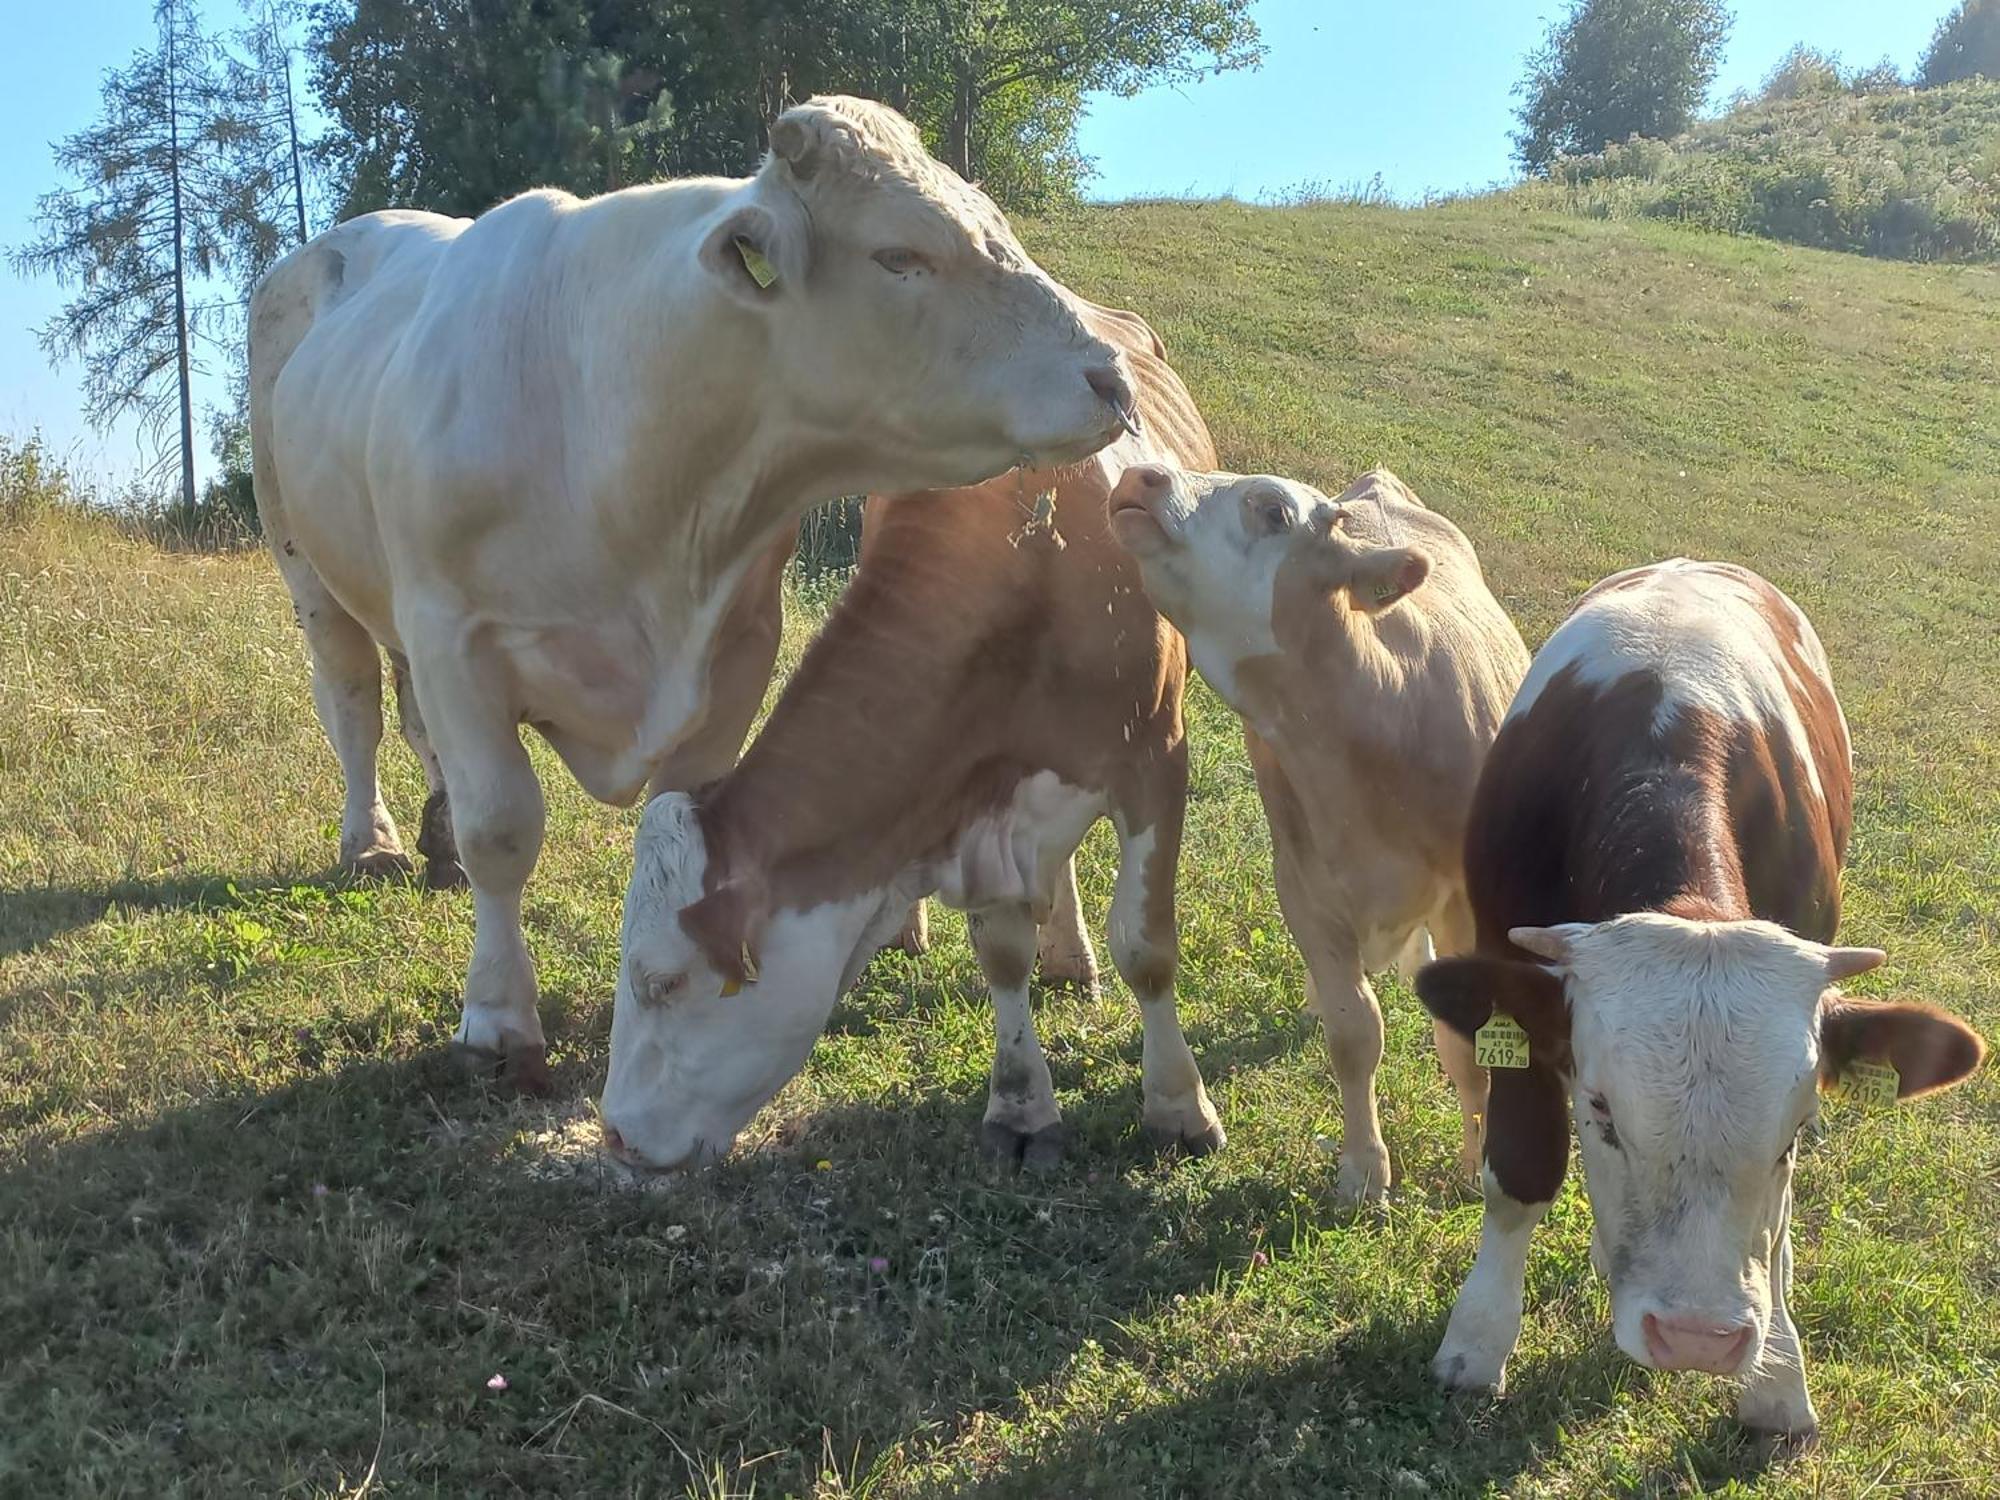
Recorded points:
1803,73
1908,176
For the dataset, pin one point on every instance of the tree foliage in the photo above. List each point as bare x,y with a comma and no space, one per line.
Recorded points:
1966,45
456,104
1613,69
1805,72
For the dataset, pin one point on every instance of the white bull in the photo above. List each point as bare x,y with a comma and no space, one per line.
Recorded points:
552,459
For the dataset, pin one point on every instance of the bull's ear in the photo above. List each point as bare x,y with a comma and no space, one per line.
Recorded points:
1552,943
751,257
1464,992
1380,576
727,925
1929,1049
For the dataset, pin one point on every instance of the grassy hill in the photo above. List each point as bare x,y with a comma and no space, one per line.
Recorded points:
1912,175
256,1234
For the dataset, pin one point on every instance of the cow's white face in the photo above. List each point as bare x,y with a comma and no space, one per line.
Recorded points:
904,318
696,1050
1227,558
1697,1065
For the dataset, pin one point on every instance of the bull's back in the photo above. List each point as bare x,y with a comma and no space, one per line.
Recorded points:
1682,715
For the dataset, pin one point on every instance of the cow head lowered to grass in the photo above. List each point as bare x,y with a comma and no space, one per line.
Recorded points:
899,306
1654,859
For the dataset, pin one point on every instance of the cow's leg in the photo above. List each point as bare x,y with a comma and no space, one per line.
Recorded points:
915,936
1774,1397
1454,934
497,813
435,841
347,692
1022,1122
1486,1319
1345,1002
1145,946
1063,949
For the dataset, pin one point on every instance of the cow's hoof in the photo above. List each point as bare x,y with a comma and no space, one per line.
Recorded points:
1036,1150
1774,1445
445,875
524,1069
1363,1179
1080,979
1468,1372
378,864
1191,1138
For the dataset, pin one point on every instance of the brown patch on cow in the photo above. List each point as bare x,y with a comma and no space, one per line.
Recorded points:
957,664
727,924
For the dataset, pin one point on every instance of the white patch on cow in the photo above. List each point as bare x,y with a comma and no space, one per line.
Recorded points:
1701,628
1486,1319
1696,1050
1016,851
689,1064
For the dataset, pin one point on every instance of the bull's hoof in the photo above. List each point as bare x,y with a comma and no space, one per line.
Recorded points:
1469,1373
378,864
524,1069
1774,1445
1080,979
1037,1150
444,875
1171,1138
1364,1178
915,938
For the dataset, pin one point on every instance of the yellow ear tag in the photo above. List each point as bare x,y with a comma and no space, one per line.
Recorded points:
1500,1043
731,987
1873,1085
755,262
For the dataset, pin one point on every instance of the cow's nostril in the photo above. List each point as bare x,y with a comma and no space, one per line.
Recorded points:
1115,391
1151,477
1696,1343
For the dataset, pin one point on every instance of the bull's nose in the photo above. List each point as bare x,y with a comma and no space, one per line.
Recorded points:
1115,391
1697,1343
1142,484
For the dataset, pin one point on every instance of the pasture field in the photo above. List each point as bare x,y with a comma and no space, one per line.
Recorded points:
259,1235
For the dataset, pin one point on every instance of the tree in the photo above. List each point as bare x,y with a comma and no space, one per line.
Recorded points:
455,104
1803,73
1966,45
173,210
1882,78
1613,69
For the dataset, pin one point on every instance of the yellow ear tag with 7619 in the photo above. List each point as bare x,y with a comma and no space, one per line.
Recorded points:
1873,1085
1500,1043
756,263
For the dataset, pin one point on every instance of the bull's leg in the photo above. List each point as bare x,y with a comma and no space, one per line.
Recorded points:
1454,934
347,692
435,840
1022,1122
1774,1397
1146,948
1063,948
1486,1320
497,814
915,936
1345,1002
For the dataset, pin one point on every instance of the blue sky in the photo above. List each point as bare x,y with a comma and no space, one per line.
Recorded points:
1419,92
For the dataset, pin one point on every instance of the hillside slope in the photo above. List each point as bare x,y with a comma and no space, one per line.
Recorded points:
256,1234
1907,174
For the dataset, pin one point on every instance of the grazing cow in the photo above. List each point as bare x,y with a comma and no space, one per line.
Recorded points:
551,459
991,684
1372,667
1654,859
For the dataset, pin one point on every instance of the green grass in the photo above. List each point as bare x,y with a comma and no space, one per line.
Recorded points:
258,1236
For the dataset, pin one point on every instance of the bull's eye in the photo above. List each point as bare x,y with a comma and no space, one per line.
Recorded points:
901,262
663,989
1600,1113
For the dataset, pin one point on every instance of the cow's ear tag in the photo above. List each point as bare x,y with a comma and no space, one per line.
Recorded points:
1873,1085
731,986
1500,1043
756,263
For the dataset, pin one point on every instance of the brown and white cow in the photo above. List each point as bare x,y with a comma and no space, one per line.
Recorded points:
991,684
1654,859
1372,667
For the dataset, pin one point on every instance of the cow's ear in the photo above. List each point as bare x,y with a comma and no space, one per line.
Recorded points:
1464,992
1380,576
727,925
1930,1049
752,256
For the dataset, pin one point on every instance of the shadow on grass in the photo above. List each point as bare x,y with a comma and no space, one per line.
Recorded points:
36,914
